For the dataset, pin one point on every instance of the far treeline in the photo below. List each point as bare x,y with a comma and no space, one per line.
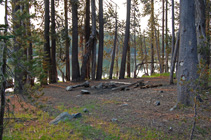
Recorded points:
76,39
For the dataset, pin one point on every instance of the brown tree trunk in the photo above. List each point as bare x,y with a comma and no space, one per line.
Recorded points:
167,47
163,18
114,50
75,63
101,42
67,42
47,60
128,60
87,35
126,41
53,47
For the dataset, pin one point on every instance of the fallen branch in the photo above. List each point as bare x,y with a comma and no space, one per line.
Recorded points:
126,86
85,84
150,86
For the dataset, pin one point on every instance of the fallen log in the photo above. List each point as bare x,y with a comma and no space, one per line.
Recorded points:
85,84
150,86
126,86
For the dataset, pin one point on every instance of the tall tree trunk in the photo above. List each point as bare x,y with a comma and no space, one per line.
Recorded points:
128,60
30,49
174,57
126,41
208,30
89,43
67,42
152,37
87,35
157,48
17,48
3,85
75,63
167,47
187,69
117,61
101,42
172,46
134,44
94,40
163,18
53,47
47,60
145,49
114,50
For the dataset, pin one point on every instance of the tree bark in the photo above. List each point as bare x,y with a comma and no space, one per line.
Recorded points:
187,69
89,43
152,36
126,41
53,47
174,57
47,60
101,42
75,63
163,7
3,85
167,47
114,50
128,60
67,42
87,35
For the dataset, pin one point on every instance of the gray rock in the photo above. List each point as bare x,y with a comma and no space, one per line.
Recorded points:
78,96
114,119
157,103
69,88
170,129
85,110
85,92
77,115
62,117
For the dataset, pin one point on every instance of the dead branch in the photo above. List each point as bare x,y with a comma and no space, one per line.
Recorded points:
126,86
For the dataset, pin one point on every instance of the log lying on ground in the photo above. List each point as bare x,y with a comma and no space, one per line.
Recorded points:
85,84
150,86
126,86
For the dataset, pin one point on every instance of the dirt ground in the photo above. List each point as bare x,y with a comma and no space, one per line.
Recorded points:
135,107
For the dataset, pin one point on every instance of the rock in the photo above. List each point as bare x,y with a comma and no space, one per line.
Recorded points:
85,92
69,88
62,117
77,115
100,86
114,119
78,96
157,103
85,110
170,129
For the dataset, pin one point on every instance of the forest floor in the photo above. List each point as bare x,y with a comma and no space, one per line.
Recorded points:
132,114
